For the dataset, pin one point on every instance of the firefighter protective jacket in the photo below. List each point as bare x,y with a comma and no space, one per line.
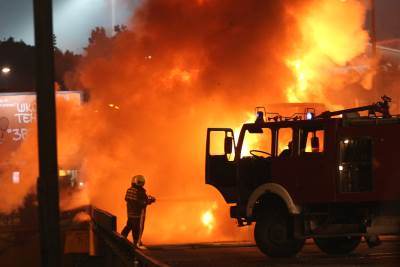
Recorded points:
136,201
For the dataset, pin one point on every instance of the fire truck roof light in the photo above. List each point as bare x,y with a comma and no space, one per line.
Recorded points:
260,113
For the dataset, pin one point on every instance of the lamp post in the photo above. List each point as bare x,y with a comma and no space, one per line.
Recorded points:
49,225
5,70
373,28
112,2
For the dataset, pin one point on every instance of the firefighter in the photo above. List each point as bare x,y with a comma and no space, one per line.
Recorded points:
288,151
136,202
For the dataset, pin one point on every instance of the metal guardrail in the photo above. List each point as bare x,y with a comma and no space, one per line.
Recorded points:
104,219
123,252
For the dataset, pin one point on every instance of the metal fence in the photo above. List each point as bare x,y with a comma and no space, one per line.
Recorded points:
115,249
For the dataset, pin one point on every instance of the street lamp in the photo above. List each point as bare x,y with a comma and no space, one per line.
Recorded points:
5,70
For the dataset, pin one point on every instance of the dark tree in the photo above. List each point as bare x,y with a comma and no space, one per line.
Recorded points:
20,59
99,43
64,64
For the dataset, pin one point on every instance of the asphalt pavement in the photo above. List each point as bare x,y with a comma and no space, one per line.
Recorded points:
247,255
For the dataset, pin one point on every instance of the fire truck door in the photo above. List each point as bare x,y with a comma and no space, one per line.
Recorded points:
314,185
220,165
314,179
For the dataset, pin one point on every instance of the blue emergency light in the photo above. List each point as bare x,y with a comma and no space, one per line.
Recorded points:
260,115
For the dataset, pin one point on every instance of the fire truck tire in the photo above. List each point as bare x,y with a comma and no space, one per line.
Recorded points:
338,245
273,234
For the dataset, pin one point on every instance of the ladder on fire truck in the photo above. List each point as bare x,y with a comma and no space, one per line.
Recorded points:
378,107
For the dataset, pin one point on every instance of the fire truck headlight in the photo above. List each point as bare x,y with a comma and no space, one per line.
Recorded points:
341,168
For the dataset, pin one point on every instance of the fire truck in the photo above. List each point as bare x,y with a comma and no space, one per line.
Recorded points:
334,177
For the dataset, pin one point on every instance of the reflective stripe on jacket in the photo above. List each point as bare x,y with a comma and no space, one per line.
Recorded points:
136,201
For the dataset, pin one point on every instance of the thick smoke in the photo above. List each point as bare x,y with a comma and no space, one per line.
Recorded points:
183,66
24,159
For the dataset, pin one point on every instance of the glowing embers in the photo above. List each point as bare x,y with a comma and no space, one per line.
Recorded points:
208,219
113,106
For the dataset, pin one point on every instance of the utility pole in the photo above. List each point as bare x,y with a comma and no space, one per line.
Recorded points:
112,2
373,44
373,28
47,185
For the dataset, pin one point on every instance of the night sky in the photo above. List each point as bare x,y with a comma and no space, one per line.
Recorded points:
74,19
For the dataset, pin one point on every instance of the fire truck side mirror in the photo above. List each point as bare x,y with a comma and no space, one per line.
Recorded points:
228,145
315,144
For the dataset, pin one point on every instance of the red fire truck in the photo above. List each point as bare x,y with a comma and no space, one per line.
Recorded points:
332,177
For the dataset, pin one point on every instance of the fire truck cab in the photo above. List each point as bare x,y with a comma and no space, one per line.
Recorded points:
333,179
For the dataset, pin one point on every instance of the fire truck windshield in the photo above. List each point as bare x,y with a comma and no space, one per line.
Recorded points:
257,141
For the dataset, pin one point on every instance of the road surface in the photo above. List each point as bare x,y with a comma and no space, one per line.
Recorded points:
246,255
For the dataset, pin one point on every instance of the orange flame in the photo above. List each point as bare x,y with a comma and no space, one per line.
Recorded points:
172,76
332,36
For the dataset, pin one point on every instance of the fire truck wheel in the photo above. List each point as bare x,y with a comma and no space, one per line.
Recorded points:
273,234
338,245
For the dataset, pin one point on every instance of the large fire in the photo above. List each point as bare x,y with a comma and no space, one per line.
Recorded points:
332,36
182,67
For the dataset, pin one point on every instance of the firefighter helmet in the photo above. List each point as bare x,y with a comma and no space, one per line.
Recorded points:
138,180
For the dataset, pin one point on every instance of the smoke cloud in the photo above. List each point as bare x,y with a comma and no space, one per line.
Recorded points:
154,89
184,66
